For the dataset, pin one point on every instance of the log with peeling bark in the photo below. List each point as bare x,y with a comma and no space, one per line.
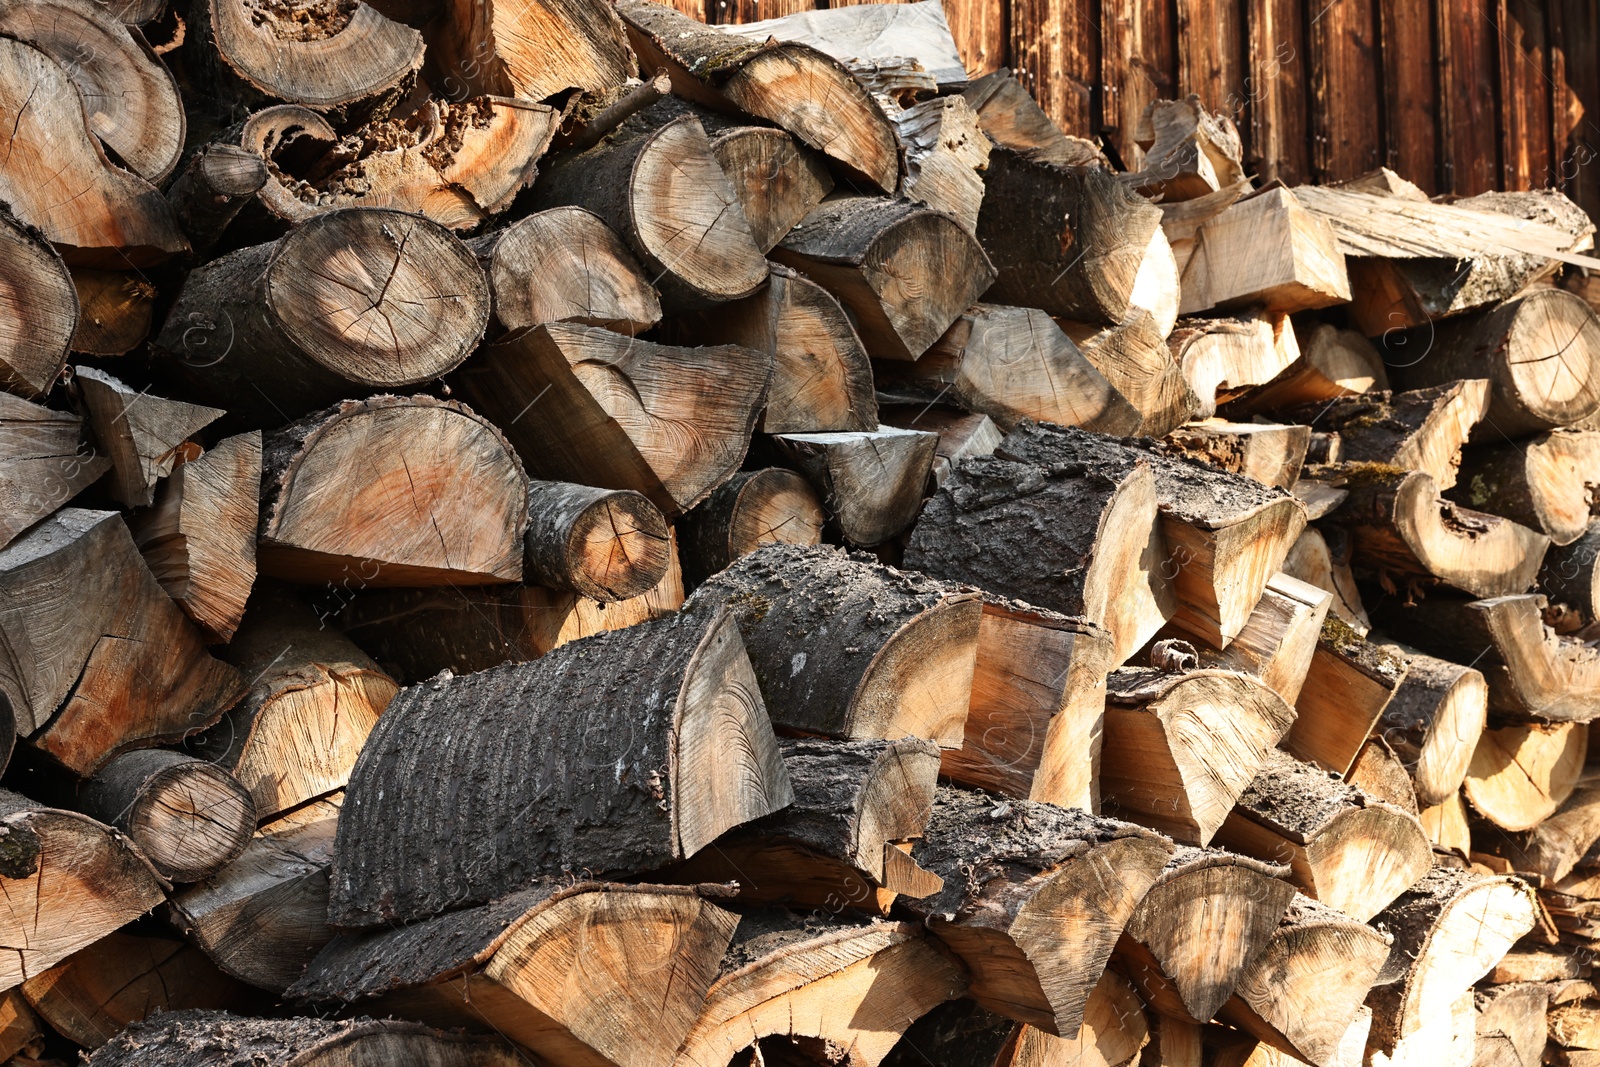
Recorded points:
1433,722
750,509
1554,847
532,51
870,482
1333,363
1550,482
1346,689
43,306
1189,151
1227,270
1315,559
140,433
1270,453
214,186
1422,430
778,180
606,544
1001,860
1136,360
1011,118
1222,357
1520,775
946,149
46,459
1180,747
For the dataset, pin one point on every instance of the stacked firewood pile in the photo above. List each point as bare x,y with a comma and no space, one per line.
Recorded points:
612,542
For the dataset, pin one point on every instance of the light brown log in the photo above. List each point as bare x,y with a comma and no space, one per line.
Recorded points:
1346,689
1447,825
1135,359
41,306
189,817
870,483
961,434
606,544
1520,775
1312,560
1575,1026
211,190
1547,482
1332,363
1433,722
778,180
750,509
1011,118
142,434
1516,1015
1378,772
1447,1039
1227,269
1270,453
46,459
1189,151
115,311
531,51
946,150
1222,357
1422,430
1534,965
21,1031
1557,844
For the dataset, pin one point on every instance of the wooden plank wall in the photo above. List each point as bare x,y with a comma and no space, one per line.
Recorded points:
1460,96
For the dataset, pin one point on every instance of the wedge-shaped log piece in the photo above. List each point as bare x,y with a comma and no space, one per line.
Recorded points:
1011,363
1449,930
139,432
1570,576
961,434
904,272
200,537
607,544
1181,747
1302,993
43,305
870,482
1079,541
849,985
1378,773
1187,976
215,1039
778,82
887,654
350,301
778,181
1189,151
1222,357
208,194
97,657
873,35
843,842
586,405
1272,454
1332,363
1227,269
46,459
1278,641
1135,359
1344,848
946,151
750,509
1520,775
1322,558
21,1031
1514,1015
589,974
566,265
57,176
264,916
1447,825
398,490
1346,689
1433,722
622,752
1546,482
1011,118
1422,430
313,699
1554,847
532,51
68,882
1034,724
1013,871
189,817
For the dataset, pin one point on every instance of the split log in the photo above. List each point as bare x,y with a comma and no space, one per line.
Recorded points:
1078,541
1433,722
946,149
46,459
1180,748
21,1031
1189,151
363,299
142,434
1002,862
960,1033
867,36
115,310
750,509
1279,639
961,434
68,881
264,916
121,980
1569,575
634,964
606,544
1535,965
657,734
778,82
1378,773
531,51
1550,482
1011,118
870,483
1344,848
1270,453
1517,1014
1011,363
1312,560
1540,352
1422,430
671,423
199,539
1557,844
1135,359
1575,1026
1520,775
459,520
566,265
215,185
1227,270
58,179
1302,992
821,379
1346,689
1173,1043
778,181
1222,357
1034,723
888,653
83,619
1332,363
904,272
1447,826
189,817
1447,1039
1195,934
43,311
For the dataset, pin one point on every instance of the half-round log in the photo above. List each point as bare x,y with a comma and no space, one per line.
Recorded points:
1433,723
1546,482
41,307
1520,775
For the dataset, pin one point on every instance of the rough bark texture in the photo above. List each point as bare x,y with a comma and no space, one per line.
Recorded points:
1549,483
750,509
870,483
605,544
1420,430
1569,575
218,181
1433,722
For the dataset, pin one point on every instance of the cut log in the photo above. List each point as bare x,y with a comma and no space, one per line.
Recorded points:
606,544
1312,560
778,181
1550,482
1557,845
1540,352
671,423
83,619
1069,240
46,459
1011,363
946,150
21,1031
1535,965
904,272
1303,992
68,881
1520,775
1011,118
1575,1026
1135,359
587,974
1516,1013
121,980
1378,773
566,265
189,817
888,654
959,1033
215,185
1008,864
1227,270
961,434
42,311
1447,826
531,51
1447,1039
750,509
142,434
94,213
1206,919
1423,430
264,916
1347,687
678,750
1569,575
1189,151
1222,357
351,300
821,379
1332,363
1278,641
1433,722
870,483
1077,541
873,35
1034,723
1270,453
115,310
778,82
1180,748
